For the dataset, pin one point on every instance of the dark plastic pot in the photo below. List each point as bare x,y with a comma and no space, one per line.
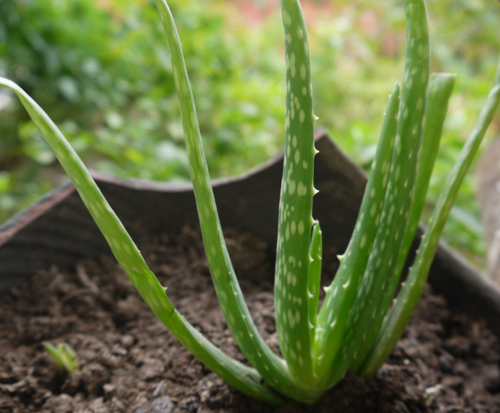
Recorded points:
58,230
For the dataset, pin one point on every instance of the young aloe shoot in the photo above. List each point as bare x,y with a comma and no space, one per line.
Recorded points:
63,355
356,327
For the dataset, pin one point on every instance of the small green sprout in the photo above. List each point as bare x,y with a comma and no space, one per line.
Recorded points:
63,355
360,320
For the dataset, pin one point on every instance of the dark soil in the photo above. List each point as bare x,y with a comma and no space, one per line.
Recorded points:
131,363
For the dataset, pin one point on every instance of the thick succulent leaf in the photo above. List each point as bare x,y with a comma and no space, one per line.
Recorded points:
233,305
399,316
236,374
295,209
334,314
316,253
440,88
397,203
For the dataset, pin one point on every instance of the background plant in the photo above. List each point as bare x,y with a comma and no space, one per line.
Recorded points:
126,123
356,327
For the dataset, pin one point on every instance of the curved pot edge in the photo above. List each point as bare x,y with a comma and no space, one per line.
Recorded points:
69,233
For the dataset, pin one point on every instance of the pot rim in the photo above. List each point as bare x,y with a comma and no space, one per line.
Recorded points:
58,230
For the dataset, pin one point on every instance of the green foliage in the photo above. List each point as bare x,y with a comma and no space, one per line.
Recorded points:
63,355
108,82
114,98
293,259
356,327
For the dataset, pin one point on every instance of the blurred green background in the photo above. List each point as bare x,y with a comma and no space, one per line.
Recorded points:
101,70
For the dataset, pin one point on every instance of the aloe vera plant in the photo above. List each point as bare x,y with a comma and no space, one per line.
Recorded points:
357,326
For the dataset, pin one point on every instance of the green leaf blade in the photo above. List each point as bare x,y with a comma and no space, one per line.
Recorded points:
440,89
400,314
63,355
398,197
295,210
54,354
233,305
340,295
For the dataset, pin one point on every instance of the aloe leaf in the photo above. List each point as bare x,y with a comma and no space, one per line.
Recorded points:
233,305
440,89
354,260
316,253
236,374
400,314
396,206
295,208
332,318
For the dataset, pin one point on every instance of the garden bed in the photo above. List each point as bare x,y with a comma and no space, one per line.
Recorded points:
130,363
